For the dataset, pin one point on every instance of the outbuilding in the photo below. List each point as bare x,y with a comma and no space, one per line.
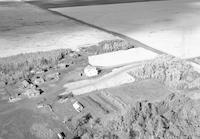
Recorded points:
61,135
25,83
90,71
31,93
78,106
39,81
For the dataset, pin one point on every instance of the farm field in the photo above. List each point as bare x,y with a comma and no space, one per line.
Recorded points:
111,69
106,103
169,26
127,94
26,28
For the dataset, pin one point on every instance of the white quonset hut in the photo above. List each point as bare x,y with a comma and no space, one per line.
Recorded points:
122,57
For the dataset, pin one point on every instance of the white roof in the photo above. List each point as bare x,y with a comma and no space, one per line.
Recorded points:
77,106
122,57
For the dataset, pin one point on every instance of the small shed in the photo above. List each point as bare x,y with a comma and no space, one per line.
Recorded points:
32,71
90,71
61,135
63,65
78,106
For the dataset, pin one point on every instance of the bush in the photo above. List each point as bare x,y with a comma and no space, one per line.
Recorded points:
114,45
176,116
173,72
18,67
165,119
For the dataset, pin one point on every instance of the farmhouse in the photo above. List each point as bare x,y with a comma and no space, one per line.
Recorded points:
90,71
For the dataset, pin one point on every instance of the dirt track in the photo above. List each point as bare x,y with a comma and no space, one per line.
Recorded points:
115,78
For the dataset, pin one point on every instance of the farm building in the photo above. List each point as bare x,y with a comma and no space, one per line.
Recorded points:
63,65
25,83
61,135
38,81
31,93
78,106
90,71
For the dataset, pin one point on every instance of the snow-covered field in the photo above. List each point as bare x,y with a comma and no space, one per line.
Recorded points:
26,28
171,26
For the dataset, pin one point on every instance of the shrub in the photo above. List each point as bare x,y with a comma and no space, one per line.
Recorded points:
171,71
18,67
167,118
114,45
